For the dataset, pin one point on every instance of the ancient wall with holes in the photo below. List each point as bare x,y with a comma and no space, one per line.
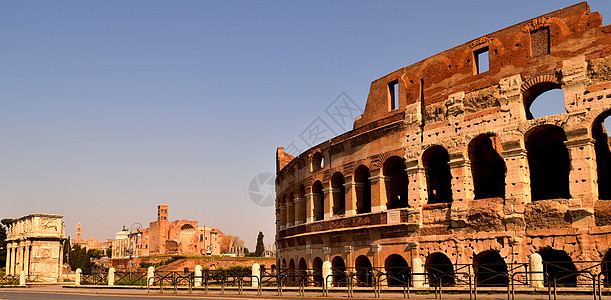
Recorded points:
482,172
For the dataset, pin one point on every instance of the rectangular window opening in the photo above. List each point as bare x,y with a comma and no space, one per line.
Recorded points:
393,88
482,60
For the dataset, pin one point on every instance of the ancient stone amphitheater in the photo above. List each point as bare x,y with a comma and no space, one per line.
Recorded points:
448,173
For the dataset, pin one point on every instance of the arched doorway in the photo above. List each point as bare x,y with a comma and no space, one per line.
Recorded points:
318,195
338,269
600,133
363,268
549,163
397,270
438,178
317,271
487,167
363,189
439,266
396,186
558,264
302,268
490,269
291,272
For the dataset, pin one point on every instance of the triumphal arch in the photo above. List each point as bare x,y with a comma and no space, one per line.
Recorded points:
450,170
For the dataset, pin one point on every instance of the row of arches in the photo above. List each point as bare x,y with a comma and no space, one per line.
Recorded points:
488,267
549,164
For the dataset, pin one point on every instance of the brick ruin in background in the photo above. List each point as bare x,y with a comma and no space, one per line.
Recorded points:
35,247
447,166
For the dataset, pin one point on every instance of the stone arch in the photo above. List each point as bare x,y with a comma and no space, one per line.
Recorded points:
318,201
549,162
490,269
339,193
535,88
291,272
363,189
396,182
438,177
603,156
397,270
317,271
302,267
558,264
363,268
338,269
439,266
487,166
283,266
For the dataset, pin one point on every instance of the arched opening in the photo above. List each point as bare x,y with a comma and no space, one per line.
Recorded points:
549,100
283,211
317,271
302,268
396,184
603,154
319,198
439,267
397,270
300,210
549,163
363,190
291,209
487,167
363,268
559,265
291,280
339,193
338,269
317,161
490,269
438,178
606,268
283,264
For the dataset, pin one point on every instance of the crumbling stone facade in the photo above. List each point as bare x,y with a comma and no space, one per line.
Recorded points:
447,165
35,247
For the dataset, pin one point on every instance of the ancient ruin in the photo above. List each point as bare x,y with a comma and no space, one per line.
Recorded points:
449,171
35,247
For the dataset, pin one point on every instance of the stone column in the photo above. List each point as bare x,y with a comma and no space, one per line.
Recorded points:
283,216
26,259
111,276
19,260
9,250
536,265
328,202
379,199
462,180
256,271
61,260
150,276
417,271
352,189
22,278
326,271
198,276
300,210
13,267
290,211
583,177
309,205
517,180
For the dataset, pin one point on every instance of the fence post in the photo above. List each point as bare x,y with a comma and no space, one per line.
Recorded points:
77,277
326,271
150,273
198,275
111,276
418,270
256,271
22,278
536,267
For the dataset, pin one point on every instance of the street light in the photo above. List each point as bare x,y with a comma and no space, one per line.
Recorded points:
130,250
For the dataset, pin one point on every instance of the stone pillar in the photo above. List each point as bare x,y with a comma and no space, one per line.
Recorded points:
26,259
256,271
150,275
9,250
309,205
61,261
77,277
352,189
290,212
379,199
328,202
111,276
13,267
283,216
417,184
462,180
536,265
198,276
326,271
19,260
583,177
517,180
300,210
417,270
22,278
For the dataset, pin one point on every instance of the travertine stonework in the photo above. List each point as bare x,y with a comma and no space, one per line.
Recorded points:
35,246
458,171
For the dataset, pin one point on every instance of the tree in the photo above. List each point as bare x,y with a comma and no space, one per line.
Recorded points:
109,252
95,253
260,249
79,258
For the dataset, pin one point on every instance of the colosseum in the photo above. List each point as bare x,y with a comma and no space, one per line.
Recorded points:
448,174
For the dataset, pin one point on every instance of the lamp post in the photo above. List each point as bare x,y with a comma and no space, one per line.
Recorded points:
130,250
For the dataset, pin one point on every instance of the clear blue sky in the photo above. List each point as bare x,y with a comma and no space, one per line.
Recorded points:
109,108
